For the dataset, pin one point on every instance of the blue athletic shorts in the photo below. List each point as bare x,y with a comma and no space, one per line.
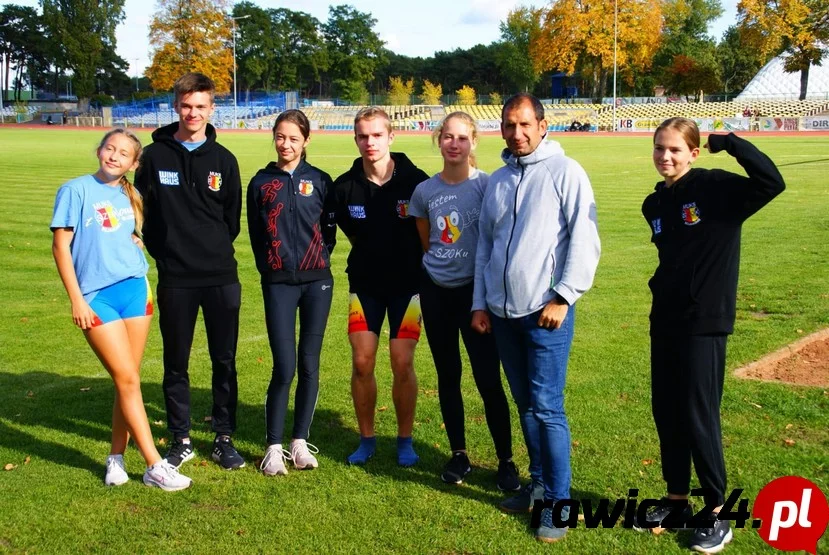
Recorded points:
130,298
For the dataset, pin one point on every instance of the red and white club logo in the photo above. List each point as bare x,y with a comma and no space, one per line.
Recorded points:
794,514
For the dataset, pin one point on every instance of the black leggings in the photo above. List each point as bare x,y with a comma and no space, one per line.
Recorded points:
687,375
445,313
281,303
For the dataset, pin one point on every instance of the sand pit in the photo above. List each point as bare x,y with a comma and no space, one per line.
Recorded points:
804,362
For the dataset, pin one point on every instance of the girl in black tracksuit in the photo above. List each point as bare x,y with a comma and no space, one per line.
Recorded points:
291,209
695,216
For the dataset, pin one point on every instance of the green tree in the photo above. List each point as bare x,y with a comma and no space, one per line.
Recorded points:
686,76
23,47
685,34
355,51
254,46
739,62
191,35
513,57
84,29
495,99
400,92
799,28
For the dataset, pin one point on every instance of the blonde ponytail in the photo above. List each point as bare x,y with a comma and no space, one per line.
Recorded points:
136,201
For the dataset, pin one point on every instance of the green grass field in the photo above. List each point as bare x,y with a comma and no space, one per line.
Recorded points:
55,398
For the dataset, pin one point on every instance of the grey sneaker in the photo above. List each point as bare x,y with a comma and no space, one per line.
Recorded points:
116,471
523,502
547,531
273,463
165,476
302,453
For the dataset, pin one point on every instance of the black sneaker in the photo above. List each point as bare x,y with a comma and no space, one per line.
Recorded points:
655,516
179,453
524,501
712,540
225,454
457,467
508,476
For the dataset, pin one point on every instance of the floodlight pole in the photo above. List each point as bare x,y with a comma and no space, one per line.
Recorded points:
136,73
234,19
615,35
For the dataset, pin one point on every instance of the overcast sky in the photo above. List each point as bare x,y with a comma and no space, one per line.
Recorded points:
433,25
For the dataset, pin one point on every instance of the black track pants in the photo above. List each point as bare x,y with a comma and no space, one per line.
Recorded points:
178,308
687,375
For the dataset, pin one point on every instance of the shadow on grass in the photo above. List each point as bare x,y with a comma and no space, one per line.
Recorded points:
81,407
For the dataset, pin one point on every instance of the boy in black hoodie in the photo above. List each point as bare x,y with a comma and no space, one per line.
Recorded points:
383,273
192,205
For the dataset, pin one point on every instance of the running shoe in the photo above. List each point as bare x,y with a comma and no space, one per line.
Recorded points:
302,453
167,477
116,471
456,469
226,454
273,463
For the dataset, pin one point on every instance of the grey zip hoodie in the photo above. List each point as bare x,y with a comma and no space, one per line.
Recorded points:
538,234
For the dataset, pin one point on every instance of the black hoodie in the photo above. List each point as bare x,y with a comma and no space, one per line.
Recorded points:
192,208
291,223
385,252
696,225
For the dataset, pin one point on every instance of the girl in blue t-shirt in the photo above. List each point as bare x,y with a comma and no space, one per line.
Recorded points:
96,222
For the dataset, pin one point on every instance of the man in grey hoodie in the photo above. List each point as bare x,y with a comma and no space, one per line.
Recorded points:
537,254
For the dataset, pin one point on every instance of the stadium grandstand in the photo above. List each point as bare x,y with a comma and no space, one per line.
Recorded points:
768,103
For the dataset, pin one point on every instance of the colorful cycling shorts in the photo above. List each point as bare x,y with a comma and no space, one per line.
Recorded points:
367,312
130,298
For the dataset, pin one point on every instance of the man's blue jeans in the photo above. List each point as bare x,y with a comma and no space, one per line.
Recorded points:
535,363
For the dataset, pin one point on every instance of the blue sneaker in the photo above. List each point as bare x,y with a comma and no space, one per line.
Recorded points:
547,531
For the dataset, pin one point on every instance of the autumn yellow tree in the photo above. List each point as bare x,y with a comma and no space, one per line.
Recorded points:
495,99
400,92
191,35
796,26
467,96
431,93
581,32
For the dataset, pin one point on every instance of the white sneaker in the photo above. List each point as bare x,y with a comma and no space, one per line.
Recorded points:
302,453
273,463
116,471
167,477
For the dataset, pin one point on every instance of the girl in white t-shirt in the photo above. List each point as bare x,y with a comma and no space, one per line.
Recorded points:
96,222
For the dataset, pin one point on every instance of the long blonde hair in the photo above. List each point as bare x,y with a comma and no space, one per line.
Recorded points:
136,201
469,121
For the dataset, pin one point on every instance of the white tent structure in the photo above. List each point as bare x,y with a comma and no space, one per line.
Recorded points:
773,83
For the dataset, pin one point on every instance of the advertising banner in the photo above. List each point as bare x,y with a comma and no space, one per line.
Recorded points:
485,125
723,125
815,123
778,124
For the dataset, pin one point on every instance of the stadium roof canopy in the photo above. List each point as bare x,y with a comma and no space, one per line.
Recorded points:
772,82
